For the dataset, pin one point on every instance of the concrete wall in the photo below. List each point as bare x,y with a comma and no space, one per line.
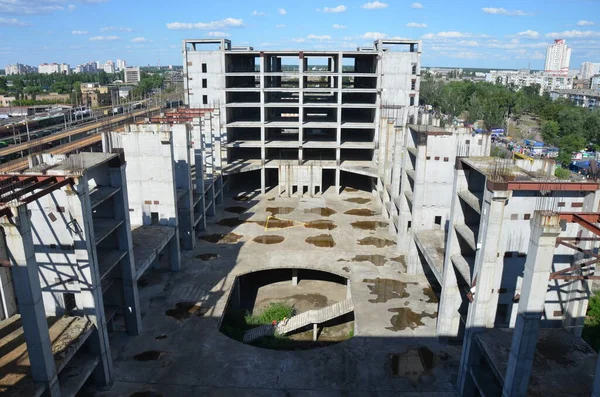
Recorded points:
215,78
150,174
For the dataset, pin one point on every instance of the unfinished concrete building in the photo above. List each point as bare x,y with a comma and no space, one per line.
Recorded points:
66,232
302,120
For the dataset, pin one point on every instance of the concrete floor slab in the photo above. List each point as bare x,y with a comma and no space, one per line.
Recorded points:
190,355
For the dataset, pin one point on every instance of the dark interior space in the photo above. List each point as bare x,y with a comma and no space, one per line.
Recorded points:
358,115
359,64
282,134
319,154
238,153
320,97
359,82
243,134
243,114
328,179
357,154
246,181
357,135
271,178
242,82
356,181
278,114
242,63
281,154
319,134
282,97
359,97
243,97
328,115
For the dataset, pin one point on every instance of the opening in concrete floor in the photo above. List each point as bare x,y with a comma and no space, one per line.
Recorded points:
351,181
289,309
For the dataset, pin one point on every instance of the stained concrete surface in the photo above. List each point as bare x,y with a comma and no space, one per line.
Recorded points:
196,359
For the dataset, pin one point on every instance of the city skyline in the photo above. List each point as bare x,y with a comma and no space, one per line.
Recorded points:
497,34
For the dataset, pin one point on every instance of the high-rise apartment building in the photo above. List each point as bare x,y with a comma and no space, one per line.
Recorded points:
121,64
50,68
18,68
589,69
109,67
558,57
302,120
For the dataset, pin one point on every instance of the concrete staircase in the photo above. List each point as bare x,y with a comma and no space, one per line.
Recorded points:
301,320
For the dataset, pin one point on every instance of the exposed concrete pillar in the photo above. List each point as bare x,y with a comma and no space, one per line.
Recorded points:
545,229
482,311
348,290
174,254
315,332
19,241
413,263
448,322
90,302
337,180
263,180
294,277
133,317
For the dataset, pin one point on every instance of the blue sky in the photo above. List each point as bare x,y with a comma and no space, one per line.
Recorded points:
468,33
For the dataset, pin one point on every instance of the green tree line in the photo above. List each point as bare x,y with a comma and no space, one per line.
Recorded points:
564,125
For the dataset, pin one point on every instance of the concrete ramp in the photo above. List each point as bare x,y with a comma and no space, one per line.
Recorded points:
301,320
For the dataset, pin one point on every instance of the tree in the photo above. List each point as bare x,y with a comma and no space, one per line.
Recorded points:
550,132
570,121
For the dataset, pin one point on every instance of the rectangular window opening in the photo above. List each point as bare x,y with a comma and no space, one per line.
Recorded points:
154,218
438,220
205,99
204,69
204,83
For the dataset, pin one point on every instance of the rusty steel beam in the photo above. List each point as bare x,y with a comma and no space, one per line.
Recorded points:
48,190
30,188
579,249
574,267
17,184
559,239
577,278
560,186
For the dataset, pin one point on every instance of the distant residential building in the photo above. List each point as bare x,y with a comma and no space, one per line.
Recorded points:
548,81
6,101
581,84
98,65
447,73
595,83
558,57
589,69
94,94
89,67
50,68
584,98
121,64
109,67
132,75
18,68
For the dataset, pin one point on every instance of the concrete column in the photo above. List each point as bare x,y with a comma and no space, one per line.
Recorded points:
294,277
174,255
90,302
315,332
19,241
448,323
337,180
133,317
482,311
348,290
545,229
263,180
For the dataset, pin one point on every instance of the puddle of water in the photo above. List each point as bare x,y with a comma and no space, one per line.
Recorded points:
346,269
377,260
236,209
279,210
377,242
387,289
368,225
150,355
360,212
207,256
400,258
268,239
326,212
229,238
276,223
350,190
406,303
146,393
321,241
241,197
406,318
431,297
321,225
231,222
184,310
358,200
271,199
414,365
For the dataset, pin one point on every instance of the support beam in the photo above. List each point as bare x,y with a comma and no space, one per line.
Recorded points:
545,229
19,241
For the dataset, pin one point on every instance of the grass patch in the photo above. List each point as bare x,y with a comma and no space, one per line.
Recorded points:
591,327
275,312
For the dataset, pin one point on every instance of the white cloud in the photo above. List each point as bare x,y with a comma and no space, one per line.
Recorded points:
573,34
139,40
374,5
115,28
374,36
213,25
71,7
258,13
104,38
217,34
320,38
529,34
416,25
337,26
416,5
334,10
585,23
12,22
280,26
299,40
468,43
503,11
281,11
80,32
28,7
